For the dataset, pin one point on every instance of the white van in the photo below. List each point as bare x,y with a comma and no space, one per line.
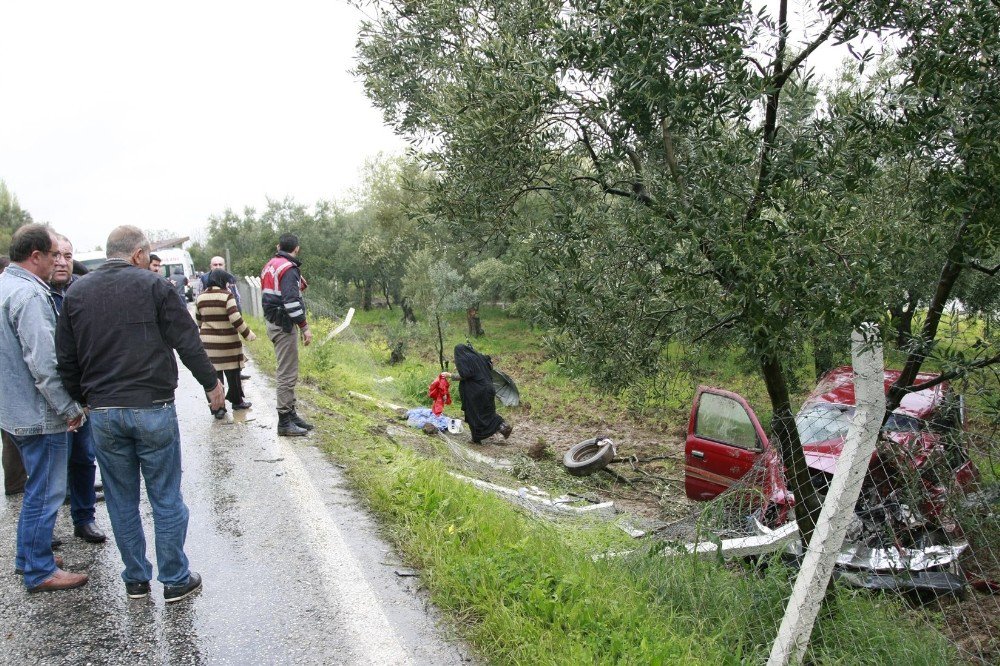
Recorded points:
171,260
91,260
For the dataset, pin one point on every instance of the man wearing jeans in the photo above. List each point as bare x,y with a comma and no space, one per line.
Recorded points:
36,411
82,466
115,341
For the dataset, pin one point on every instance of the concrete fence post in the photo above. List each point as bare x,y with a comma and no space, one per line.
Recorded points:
253,302
838,508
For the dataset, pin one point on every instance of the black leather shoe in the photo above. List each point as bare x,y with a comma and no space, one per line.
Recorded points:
506,429
244,377
137,590
90,533
172,593
246,404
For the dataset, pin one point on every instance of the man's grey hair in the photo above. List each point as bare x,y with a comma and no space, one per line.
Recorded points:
125,240
60,237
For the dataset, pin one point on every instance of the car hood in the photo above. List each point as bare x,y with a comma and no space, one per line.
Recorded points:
822,456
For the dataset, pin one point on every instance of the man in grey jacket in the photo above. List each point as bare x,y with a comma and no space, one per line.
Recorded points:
36,410
14,476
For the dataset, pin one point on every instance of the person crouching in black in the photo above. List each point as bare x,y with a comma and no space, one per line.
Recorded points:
477,393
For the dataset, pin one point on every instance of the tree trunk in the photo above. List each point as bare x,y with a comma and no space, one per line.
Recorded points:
385,292
475,324
366,296
408,316
786,436
397,354
437,318
949,275
902,320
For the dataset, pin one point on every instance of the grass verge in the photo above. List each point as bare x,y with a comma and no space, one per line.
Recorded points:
527,592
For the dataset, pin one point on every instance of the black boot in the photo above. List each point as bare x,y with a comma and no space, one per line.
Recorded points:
287,427
297,420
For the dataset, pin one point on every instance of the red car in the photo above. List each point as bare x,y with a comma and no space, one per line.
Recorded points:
725,441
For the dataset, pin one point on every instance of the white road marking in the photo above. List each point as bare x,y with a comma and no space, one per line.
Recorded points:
363,621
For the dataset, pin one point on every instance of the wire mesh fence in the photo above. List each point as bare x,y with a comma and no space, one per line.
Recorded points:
920,538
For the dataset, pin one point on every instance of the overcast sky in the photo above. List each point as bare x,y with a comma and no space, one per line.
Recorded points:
162,114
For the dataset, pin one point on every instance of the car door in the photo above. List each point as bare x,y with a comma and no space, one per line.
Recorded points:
724,441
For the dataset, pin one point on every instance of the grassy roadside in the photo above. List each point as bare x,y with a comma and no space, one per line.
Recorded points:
523,591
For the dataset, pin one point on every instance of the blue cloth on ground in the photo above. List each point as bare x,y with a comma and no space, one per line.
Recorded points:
421,415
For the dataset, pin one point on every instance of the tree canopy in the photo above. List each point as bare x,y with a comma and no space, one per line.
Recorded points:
674,170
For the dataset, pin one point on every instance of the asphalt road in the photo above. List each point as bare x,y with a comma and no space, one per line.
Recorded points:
294,569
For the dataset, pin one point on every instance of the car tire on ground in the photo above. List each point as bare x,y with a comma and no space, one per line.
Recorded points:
589,456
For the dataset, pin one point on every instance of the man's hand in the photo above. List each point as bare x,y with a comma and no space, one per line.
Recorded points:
74,424
251,336
216,397
307,336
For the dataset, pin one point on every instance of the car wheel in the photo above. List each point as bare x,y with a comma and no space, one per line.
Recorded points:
589,456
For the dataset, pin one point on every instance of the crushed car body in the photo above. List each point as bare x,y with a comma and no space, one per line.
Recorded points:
900,536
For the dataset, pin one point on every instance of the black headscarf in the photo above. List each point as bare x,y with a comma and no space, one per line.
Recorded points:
220,278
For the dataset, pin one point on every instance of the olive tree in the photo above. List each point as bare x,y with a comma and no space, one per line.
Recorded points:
436,287
668,169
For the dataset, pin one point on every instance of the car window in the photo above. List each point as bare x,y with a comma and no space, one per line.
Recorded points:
93,264
822,422
724,420
903,423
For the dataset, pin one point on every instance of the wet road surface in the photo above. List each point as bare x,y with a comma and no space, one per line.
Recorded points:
294,570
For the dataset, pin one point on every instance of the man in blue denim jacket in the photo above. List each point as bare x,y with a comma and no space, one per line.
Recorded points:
36,410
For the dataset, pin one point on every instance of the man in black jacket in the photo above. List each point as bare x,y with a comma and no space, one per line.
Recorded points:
115,343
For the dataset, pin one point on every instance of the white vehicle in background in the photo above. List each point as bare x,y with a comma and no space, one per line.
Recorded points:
174,260
91,260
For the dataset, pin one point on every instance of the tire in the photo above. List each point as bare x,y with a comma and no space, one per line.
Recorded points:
588,457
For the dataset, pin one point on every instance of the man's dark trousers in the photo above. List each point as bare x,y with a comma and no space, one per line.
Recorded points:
14,476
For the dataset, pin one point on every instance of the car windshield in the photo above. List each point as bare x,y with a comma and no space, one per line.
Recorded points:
823,421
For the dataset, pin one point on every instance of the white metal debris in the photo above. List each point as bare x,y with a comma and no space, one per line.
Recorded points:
541,499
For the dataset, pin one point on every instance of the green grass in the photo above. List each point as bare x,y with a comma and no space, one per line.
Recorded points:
522,591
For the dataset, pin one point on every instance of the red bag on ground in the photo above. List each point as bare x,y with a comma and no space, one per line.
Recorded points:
439,391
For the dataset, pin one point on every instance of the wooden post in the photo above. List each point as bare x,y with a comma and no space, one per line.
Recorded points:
838,509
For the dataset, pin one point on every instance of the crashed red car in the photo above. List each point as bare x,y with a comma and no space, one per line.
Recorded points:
901,536
725,441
